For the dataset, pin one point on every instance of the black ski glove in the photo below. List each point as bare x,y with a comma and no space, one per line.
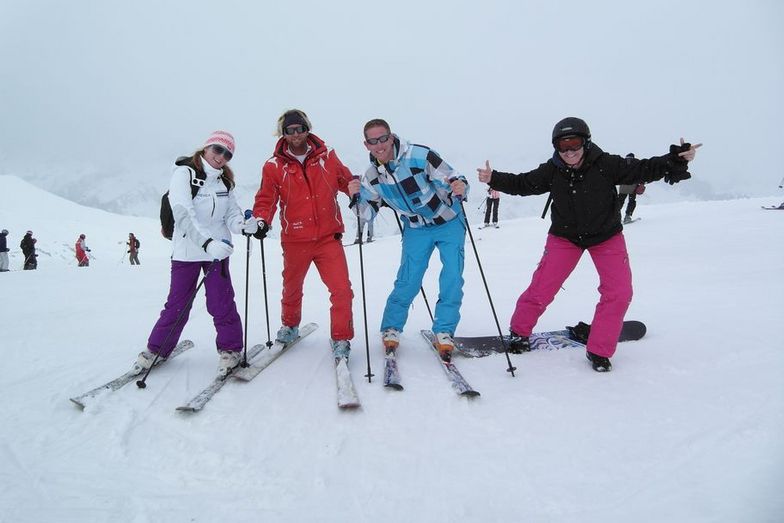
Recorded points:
679,167
675,150
263,230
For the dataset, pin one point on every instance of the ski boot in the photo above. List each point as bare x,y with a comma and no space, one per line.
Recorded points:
518,344
599,363
287,334
445,344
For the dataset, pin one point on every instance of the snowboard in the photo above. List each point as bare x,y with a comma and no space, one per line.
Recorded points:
780,208
480,346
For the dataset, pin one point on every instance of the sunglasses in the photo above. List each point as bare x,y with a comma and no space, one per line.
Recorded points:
570,143
294,129
222,151
384,138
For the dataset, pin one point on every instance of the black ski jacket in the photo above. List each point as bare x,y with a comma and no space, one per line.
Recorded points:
27,245
585,207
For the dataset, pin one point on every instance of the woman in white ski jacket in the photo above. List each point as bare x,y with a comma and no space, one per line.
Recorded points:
203,223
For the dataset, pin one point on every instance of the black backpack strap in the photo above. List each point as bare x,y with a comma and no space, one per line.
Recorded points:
195,185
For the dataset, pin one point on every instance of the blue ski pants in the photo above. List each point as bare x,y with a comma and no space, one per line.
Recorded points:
418,246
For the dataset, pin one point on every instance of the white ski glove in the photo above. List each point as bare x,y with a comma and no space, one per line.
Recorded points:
218,250
249,227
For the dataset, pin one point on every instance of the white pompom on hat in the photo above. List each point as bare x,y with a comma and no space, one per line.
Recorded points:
222,138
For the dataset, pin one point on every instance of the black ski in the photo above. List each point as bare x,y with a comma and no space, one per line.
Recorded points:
459,383
391,372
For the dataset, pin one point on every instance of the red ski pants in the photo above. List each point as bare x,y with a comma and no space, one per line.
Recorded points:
330,260
615,289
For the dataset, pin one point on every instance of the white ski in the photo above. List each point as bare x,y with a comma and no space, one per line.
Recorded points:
347,395
267,357
117,383
200,400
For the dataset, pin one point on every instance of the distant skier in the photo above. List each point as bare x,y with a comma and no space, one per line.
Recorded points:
581,180
781,186
28,251
201,244
4,250
362,223
631,191
133,249
81,249
491,208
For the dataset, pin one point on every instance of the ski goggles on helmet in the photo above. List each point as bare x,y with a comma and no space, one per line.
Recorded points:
569,143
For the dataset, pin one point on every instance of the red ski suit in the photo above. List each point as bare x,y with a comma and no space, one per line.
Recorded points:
311,227
81,254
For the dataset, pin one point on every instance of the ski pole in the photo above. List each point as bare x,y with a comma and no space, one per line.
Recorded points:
421,288
264,283
142,383
355,204
248,214
510,369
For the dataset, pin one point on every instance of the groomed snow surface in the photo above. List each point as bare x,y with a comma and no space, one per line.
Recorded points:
689,425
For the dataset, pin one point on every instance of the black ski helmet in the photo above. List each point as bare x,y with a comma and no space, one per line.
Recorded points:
571,126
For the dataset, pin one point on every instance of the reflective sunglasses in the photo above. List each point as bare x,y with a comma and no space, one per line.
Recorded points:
570,143
222,151
384,138
294,129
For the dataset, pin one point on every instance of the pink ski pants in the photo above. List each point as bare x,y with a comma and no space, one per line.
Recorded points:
615,288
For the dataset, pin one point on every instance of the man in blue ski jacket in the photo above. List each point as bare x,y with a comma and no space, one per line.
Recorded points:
418,184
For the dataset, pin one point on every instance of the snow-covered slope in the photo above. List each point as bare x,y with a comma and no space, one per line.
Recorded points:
687,427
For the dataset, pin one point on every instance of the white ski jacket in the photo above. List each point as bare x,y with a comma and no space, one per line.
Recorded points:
212,213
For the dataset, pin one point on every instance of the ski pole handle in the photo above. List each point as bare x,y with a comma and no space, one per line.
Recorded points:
355,198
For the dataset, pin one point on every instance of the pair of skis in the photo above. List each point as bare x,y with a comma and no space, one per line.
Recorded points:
456,379
259,359
347,395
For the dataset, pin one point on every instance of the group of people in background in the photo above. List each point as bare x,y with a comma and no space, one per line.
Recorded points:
81,251
300,183
28,251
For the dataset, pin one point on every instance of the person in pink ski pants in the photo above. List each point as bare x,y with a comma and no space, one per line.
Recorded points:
582,180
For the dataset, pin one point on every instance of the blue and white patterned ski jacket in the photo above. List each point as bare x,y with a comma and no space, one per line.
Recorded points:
415,183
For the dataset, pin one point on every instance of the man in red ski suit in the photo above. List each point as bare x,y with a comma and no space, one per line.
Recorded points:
304,176
81,250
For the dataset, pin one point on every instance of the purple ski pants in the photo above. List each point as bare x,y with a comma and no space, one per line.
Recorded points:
615,289
220,304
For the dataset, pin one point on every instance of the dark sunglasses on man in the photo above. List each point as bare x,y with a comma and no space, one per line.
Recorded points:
294,129
570,143
217,149
384,138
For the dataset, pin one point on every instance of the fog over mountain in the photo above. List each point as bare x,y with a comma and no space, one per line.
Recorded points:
99,98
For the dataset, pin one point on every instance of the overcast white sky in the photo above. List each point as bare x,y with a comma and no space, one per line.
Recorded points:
121,88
